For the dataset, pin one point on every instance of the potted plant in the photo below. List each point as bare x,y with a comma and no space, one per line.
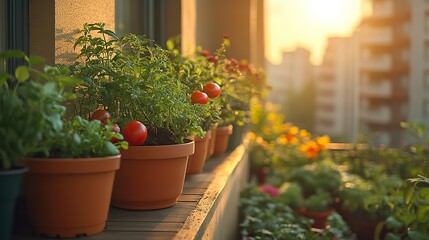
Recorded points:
268,217
69,182
28,108
136,81
205,93
319,207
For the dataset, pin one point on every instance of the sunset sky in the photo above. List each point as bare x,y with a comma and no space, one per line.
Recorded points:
307,23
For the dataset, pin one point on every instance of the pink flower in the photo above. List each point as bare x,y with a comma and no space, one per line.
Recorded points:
226,36
212,59
205,53
271,190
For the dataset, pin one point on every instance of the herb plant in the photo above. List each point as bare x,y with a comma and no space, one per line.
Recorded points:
133,79
80,138
31,107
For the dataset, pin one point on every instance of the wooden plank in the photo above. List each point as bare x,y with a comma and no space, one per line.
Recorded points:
194,191
143,226
177,213
123,235
190,198
194,184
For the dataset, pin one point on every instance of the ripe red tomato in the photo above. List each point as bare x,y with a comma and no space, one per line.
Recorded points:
115,129
199,97
102,115
212,90
134,133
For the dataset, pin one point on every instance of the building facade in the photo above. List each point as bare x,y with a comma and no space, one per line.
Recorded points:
292,74
337,90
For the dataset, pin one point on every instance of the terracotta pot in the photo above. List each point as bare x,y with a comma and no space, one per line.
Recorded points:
197,160
212,142
151,177
69,197
221,142
318,217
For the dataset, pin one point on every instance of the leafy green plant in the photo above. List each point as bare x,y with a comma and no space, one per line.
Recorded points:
265,217
409,218
317,177
31,106
133,78
80,138
319,202
195,75
291,194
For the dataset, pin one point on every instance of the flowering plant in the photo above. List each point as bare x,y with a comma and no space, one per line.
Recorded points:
297,147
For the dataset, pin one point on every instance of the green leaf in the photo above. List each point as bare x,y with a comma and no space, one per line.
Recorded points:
35,60
3,78
409,192
12,54
415,235
392,222
22,73
69,81
170,44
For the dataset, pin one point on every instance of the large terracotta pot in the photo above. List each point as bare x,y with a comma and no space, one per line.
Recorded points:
212,142
197,160
151,177
10,183
69,197
222,138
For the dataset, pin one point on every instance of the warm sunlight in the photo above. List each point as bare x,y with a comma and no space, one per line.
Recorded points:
307,23
328,13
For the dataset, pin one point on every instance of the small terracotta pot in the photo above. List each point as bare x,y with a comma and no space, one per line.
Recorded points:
318,217
197,160
212,142
151,177
222,138
69,197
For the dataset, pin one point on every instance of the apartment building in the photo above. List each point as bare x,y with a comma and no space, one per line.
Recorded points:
337,89
291,75
386,72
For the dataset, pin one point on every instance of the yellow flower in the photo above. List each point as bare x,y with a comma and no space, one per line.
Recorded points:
323,141
282,140
251,136
304,134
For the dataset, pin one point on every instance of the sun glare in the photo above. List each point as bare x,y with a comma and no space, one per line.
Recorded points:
308,23
328,13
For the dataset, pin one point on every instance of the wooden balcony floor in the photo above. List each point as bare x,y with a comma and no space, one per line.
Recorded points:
195,203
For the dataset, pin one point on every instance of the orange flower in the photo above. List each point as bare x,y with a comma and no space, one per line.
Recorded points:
310,149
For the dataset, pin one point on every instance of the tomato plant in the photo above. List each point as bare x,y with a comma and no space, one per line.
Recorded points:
212,89
135,133
115,129
199,97
102,115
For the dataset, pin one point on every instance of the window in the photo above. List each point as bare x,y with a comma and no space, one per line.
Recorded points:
2,26
157,19
14,29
